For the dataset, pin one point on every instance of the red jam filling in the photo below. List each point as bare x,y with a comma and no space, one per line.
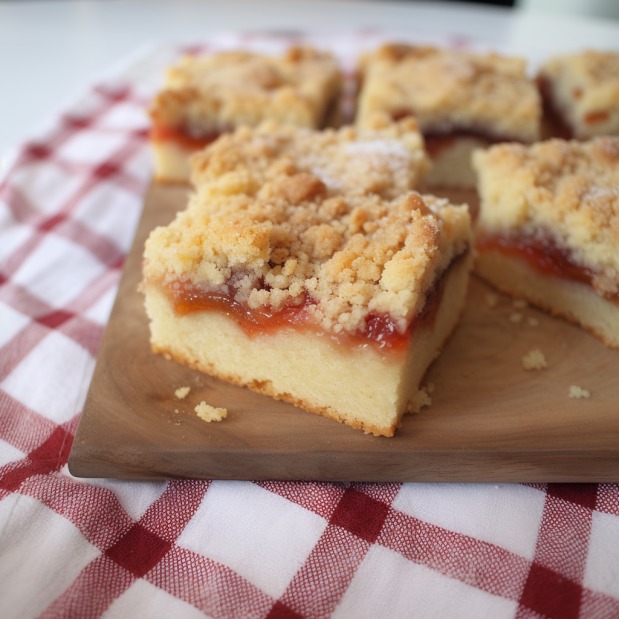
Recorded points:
438,141
541,254
380,330
161,133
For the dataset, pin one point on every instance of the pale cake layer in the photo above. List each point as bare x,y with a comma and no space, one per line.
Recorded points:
583,89
448,90
171,161
452,165
360,386
574,301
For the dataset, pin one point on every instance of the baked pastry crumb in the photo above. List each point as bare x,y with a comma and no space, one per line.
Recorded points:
209,413
534,360
576,393
532,321
182,392
492,299
520,303
425,400
515,317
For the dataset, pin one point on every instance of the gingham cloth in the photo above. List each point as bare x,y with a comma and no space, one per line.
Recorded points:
69,205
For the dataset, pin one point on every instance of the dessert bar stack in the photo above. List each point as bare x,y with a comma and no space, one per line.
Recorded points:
314,264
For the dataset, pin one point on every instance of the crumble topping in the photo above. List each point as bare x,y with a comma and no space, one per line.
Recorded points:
534,360
567,191
584,87
385,158
224,90
451,89
280,215
182,392
209,413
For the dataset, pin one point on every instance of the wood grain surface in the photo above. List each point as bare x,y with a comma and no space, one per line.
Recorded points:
489,421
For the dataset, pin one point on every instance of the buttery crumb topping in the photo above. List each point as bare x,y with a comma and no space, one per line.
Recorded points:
567,191
576,393
584,87
385,158
209,413
534,360
450,90
280,215
182,392
224,90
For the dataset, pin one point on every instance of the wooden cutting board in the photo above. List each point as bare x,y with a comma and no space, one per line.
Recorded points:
489,421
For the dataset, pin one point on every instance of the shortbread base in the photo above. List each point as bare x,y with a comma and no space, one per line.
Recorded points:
574,301
359,386
451,164
171,161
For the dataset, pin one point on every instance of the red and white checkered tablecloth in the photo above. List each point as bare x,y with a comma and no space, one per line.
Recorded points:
69,204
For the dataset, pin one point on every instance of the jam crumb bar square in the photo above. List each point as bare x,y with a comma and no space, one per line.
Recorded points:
548,228
461,101
206,96
306,268
581,94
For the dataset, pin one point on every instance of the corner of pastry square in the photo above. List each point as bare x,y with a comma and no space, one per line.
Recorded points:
307,268
581,93
462,100
548,228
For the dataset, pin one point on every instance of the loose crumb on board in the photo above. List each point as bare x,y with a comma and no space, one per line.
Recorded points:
577,393
425,399
532,321
520,304
515,317
209,413
492,299
182,392
534,360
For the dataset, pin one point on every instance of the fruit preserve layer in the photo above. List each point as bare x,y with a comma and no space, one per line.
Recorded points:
181,137
379,331
543,255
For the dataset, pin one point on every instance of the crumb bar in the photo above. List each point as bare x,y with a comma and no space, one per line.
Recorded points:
204,97
461,100
306,268
548,228
581,94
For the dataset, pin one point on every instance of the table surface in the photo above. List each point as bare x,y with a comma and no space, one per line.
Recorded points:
61,46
